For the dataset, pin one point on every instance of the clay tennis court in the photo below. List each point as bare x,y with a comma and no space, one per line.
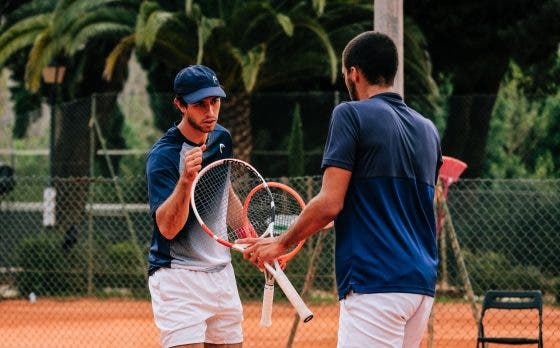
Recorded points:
128,323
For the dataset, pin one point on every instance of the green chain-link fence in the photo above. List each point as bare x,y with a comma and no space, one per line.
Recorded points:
82,282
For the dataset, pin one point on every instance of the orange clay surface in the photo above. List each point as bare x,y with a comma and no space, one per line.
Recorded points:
128,323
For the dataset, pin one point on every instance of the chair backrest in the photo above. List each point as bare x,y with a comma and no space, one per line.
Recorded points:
531,299
511,300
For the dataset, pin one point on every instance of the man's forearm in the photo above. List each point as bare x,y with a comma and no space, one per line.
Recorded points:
316,215
173,213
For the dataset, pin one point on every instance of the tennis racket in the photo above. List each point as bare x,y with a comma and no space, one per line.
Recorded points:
222,192
288,204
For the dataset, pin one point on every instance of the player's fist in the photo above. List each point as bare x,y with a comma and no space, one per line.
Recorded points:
193,162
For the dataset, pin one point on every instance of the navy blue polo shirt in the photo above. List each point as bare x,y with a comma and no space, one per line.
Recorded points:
386,231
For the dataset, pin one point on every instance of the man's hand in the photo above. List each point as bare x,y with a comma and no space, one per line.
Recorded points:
193,163
261,250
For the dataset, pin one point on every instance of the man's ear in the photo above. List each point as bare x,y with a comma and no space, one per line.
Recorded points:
178,104
354,74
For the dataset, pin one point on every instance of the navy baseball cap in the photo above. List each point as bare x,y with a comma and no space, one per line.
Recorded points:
197,82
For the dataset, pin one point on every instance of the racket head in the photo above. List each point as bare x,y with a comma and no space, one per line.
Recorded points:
288,205
217,197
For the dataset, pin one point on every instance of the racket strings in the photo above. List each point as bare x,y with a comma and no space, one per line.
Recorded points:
287,210
220,195
210,199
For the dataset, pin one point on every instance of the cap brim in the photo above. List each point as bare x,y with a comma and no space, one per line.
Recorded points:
204,93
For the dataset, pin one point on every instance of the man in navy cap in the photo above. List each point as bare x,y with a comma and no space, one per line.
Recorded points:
192,283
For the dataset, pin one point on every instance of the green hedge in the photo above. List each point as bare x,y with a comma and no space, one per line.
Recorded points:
47,270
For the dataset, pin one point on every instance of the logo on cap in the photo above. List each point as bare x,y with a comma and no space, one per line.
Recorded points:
215,79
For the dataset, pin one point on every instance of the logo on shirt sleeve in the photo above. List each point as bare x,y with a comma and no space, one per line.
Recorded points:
222,146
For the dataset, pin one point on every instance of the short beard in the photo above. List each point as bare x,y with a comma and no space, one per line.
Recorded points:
196,126
193,124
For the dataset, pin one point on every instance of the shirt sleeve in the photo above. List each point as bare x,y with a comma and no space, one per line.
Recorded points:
162,177
342,138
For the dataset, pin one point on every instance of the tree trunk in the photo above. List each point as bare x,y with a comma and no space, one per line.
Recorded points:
466,134
71,162
72,147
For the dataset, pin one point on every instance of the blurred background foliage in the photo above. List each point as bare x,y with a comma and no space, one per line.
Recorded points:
485,73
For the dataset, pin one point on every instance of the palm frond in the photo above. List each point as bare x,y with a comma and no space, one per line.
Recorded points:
111,15
124,47
156,21
325,40
144,13
418,68
30,9
20,42
31,24
251,62
189,8
319,6
286,24
68,11
146,10
204,29
44,49
95,30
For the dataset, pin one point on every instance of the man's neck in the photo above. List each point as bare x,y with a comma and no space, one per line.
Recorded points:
369,91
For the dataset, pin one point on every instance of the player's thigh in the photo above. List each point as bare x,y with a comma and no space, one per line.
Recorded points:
416,325
180,306
375,320
225,326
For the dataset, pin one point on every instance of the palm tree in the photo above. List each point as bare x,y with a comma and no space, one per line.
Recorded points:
236,38
43,31
256,45
252,44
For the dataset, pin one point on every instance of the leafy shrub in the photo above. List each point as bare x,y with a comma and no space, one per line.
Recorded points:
47,269
491,270
121,268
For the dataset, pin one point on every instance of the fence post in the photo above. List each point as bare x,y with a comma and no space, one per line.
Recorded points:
448,224
90,199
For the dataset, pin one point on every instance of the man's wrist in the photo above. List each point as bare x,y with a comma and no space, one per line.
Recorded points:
185,182
283,241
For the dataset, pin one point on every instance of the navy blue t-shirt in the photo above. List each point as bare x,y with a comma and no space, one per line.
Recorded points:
191,248
385,233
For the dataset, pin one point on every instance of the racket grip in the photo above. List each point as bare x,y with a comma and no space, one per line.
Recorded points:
304,312
266,312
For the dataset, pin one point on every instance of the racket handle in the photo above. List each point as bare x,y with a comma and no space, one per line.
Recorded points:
304,312
266,312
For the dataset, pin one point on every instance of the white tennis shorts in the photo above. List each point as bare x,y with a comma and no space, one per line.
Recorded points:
383,320
196,307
